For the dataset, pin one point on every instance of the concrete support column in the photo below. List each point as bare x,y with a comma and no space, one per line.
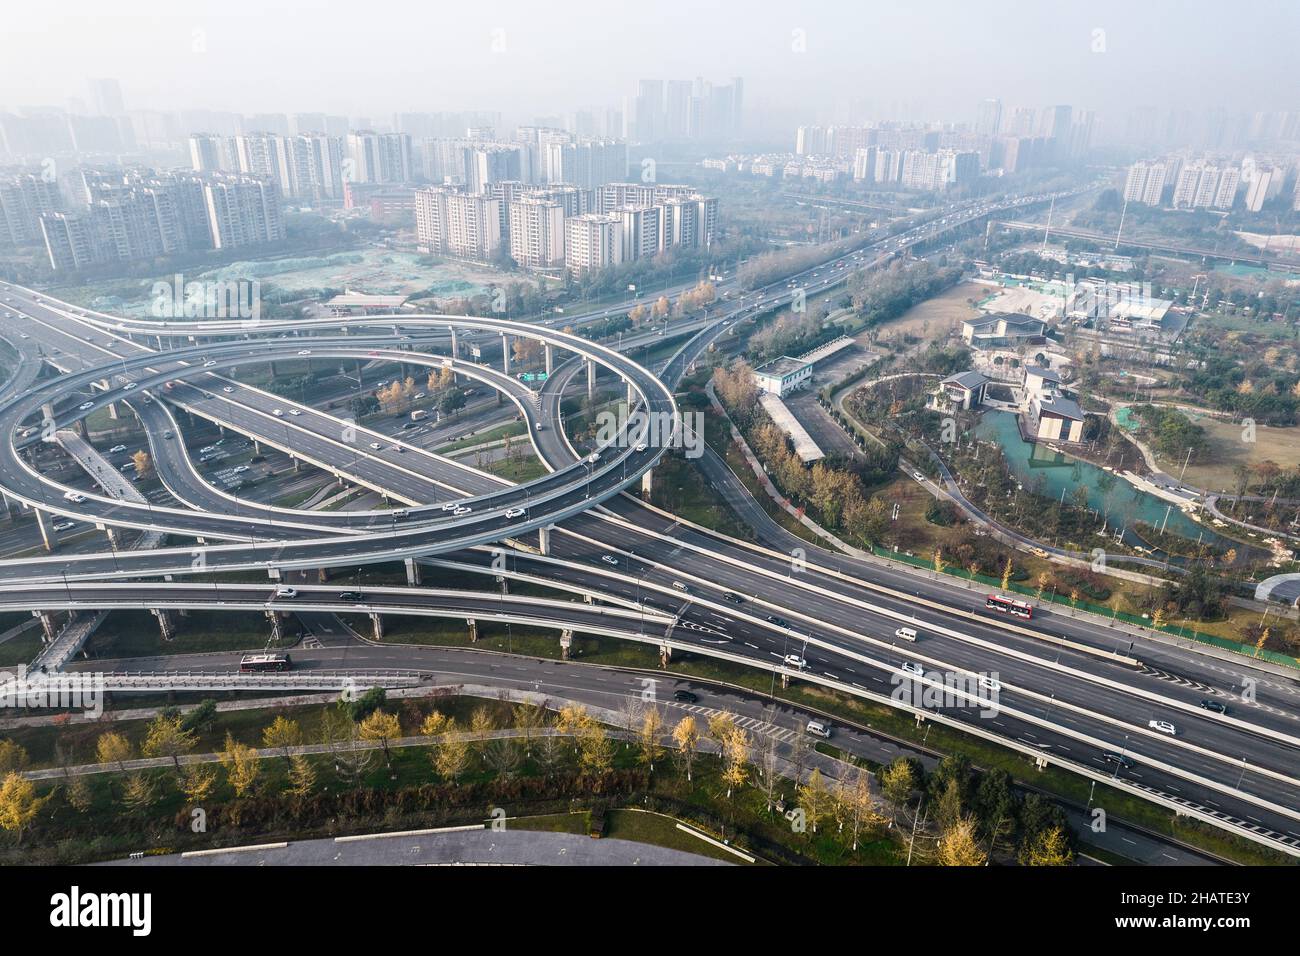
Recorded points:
785,680
566,642
49,629
9,509
631,396
48,534
257,447
377,623
412,572
544,540
455,354
114,537
277,624
505,353
504,582
647,484
323,575
473,629
591,380
112,411
165,623
665,655
550,359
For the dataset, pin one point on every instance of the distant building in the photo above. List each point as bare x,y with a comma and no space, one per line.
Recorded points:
965,390
1145,183
1005,330
1051,413
782,376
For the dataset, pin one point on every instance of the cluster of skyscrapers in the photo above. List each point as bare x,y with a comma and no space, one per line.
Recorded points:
99,219
1207,183
685,110
563,226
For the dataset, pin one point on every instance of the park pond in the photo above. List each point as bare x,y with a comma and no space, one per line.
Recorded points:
1117,500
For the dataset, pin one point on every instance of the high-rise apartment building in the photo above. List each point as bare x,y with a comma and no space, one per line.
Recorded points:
1145,182
379,157
537,233
452,222
593,242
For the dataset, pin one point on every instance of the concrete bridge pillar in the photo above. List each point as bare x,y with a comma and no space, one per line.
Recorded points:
473,629
412,572
631,396
504,582
550,359
544,540
114,537
165,623
112,411
785,680
48,535
9,509
591,380
277,624
665,655
257,447
323,575
455,354
647,484
566,643
377,625
49,629
505,353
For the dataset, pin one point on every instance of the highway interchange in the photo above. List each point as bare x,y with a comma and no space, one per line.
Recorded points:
1070,688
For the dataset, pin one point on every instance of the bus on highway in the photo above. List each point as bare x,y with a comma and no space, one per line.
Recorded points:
1006,605
253,663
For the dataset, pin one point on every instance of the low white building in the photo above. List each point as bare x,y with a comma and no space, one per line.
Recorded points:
782,376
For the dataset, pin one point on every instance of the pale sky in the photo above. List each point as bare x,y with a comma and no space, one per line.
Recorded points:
376,57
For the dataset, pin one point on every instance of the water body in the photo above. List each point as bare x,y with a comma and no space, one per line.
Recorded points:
1108,493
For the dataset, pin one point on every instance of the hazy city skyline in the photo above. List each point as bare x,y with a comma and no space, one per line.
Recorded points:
816,62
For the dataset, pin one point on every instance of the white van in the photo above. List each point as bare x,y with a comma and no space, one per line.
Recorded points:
819,729
906,634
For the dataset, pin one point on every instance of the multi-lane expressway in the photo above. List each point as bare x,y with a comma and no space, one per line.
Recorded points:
1069,689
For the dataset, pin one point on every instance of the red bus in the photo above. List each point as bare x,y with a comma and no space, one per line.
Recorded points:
1006,605
252,663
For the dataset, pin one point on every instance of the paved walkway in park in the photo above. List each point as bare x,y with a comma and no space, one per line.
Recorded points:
457,847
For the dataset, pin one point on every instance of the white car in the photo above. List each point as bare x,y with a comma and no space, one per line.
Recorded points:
990,684
304,351
286,592
228,389
642,447
912,667
239,469
918,476
609,559
795,661
450,506
375,446
515,513
1163,726
209,364
130,385
74,497
116,448
277,412
294,412
85,405
462,511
